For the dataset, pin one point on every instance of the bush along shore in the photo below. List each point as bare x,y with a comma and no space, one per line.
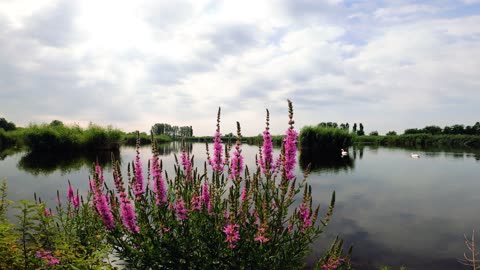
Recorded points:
422,140
222,216
319,139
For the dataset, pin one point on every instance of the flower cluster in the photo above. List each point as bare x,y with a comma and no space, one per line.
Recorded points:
100,200
47,256
232,234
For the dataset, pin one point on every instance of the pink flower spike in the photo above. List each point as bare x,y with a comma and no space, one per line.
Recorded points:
70,193
232,234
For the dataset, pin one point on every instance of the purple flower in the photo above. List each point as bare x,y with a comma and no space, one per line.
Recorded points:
237,162
180,209
187,165
218,163
100,200
128,214
232,234
138,186
206,197
290,153
76,201
196,203
158,182
70,193
47,212
267,149
53,261
260,236
243,195
305,215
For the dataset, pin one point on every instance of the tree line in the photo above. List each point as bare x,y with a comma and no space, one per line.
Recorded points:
344,126
447,130
172,131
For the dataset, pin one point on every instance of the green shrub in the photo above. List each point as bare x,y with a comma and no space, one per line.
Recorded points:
317,138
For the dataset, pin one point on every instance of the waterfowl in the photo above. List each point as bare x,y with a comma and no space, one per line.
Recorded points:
343,152
414,155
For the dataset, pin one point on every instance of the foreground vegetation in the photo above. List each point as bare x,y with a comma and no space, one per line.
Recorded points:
225,216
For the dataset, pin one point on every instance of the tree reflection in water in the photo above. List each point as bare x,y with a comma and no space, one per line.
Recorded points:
47,163
325,161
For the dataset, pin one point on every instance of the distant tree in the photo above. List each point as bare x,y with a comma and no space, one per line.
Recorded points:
412,131
360,131
56,123
347,126
373,133
458,129
7,126
391,133
354,128
434,130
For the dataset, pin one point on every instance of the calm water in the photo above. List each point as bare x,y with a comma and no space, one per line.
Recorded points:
395,210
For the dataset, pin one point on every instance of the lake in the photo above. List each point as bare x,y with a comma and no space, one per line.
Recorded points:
394,210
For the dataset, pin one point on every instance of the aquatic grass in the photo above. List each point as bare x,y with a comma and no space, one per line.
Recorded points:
60,137
324,139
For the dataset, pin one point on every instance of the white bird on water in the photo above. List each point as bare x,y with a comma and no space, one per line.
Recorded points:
343,152
414,155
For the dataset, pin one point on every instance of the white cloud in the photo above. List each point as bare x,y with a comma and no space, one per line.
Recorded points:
158,61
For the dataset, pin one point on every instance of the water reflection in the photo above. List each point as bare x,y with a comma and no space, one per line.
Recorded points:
325,161
46,163
166,149
9,151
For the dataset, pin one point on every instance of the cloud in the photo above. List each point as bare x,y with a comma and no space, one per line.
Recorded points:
156,61
53,25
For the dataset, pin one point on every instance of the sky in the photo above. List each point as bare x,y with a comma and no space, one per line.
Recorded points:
390,65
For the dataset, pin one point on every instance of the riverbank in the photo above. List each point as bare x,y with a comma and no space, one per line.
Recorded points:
421,140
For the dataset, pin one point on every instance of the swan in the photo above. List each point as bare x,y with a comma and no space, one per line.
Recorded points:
414,155
343,152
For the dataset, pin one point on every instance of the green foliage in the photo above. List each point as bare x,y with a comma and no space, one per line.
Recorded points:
59,137
413,140
71,238
247,221
316,138
334,258
172,131
456,129
391,133
5,125
131,138
6,139
373,133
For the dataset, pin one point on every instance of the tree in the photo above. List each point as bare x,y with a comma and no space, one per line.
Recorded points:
7,126
56,123
391,133
360,131
434,130
373,133
354,128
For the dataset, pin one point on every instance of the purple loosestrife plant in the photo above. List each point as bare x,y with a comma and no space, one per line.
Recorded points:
245,219
236,166
290,143
138,182
266,162
158,181
100,200
218,163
